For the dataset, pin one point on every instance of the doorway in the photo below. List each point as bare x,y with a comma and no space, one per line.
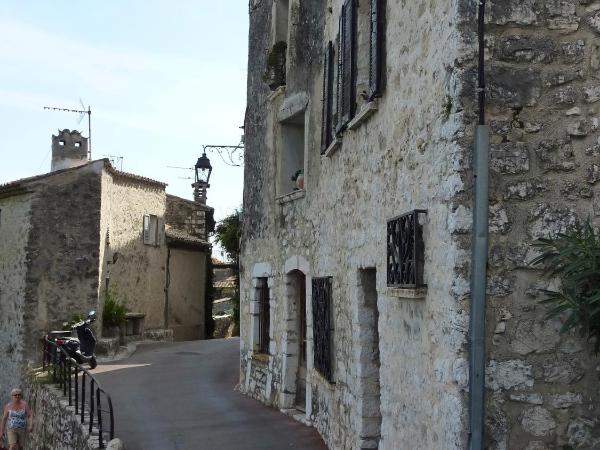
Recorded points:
298,291
369,378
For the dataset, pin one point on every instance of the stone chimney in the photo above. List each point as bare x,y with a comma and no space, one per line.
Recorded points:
69,149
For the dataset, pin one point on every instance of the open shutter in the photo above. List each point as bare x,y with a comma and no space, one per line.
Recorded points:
340,75
146,229
348,64
375,49
326,131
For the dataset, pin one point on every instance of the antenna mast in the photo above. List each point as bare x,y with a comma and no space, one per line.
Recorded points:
81,112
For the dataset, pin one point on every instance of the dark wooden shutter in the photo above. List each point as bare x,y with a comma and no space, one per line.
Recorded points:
326,128
340,76
348,63
376,48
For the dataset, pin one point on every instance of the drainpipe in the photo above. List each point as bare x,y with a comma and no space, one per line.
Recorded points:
479,256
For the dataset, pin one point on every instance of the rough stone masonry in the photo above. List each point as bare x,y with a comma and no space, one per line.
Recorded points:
414,152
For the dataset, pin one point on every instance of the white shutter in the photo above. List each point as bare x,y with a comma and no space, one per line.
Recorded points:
146,232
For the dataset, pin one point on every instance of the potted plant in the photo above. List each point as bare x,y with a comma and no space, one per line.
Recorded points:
298,178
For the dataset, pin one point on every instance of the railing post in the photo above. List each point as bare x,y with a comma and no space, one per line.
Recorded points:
82,397
70,382
99,412
91,404
76,390
112,417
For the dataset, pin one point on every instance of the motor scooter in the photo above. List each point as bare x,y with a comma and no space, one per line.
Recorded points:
82,347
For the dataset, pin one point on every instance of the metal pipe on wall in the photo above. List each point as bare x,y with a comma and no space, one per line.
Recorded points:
479,256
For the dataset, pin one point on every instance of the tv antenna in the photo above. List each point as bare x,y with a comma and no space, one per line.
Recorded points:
82,112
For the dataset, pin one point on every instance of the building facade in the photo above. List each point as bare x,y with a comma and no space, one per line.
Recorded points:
70,236
358,194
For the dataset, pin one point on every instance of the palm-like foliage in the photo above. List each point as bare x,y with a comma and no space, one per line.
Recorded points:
574,257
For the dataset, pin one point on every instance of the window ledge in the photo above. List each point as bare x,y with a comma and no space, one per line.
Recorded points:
263,357
367,110
324,381
409,293
333,147
276,93
294,195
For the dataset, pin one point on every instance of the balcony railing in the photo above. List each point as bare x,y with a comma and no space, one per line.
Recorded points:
92,403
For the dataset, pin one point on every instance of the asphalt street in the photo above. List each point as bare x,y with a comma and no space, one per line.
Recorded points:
180,396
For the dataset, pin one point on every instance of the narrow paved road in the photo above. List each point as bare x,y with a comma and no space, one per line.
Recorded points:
180,396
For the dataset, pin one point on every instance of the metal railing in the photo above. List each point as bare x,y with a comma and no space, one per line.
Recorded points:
81,388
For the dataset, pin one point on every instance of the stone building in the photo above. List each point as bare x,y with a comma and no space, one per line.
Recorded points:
355,292
69,236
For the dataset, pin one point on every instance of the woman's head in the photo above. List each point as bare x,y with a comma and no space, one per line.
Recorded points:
16,394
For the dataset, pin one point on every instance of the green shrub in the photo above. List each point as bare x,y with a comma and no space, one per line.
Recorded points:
574,257
114,312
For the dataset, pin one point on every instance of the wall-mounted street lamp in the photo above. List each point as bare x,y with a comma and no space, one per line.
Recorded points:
202,172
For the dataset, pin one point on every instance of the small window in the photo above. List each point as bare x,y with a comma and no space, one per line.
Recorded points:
264,315
406,250
77,144
322,326
153,230
61,143
291,167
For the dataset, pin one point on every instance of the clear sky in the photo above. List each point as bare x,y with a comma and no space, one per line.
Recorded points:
162,79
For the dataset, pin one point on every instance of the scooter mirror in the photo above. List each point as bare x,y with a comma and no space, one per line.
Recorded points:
92,315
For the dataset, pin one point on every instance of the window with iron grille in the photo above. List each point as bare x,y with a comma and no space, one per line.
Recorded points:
326,127
322,329
346,87
405,250
264,318
376,48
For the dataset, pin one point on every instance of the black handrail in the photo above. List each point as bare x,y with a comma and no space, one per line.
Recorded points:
66,372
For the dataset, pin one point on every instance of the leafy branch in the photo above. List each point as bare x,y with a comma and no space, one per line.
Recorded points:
574,257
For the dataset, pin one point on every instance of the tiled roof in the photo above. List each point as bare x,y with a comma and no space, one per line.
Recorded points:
181,236
228,282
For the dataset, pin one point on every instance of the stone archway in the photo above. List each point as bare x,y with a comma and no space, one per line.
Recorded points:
297,337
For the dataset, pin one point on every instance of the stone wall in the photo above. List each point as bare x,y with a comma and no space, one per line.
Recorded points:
188,216
55,425
542,77
187,269
62,252
14,233
136,272
406,156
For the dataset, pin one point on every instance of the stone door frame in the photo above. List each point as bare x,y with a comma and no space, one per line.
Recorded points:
290,344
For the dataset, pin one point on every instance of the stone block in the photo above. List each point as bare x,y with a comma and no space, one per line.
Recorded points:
510,158
503,90
593,174
525,190
498,219
530,398
594,22
566,400
518,48
534,337
565,371
519,13
499,287
572,190
573,52
547,220
556,155
512,374
538,421
566,96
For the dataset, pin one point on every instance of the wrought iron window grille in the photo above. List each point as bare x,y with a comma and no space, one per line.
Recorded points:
263,316
406,250
322,309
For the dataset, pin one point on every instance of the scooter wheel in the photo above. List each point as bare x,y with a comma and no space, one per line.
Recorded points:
93,362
